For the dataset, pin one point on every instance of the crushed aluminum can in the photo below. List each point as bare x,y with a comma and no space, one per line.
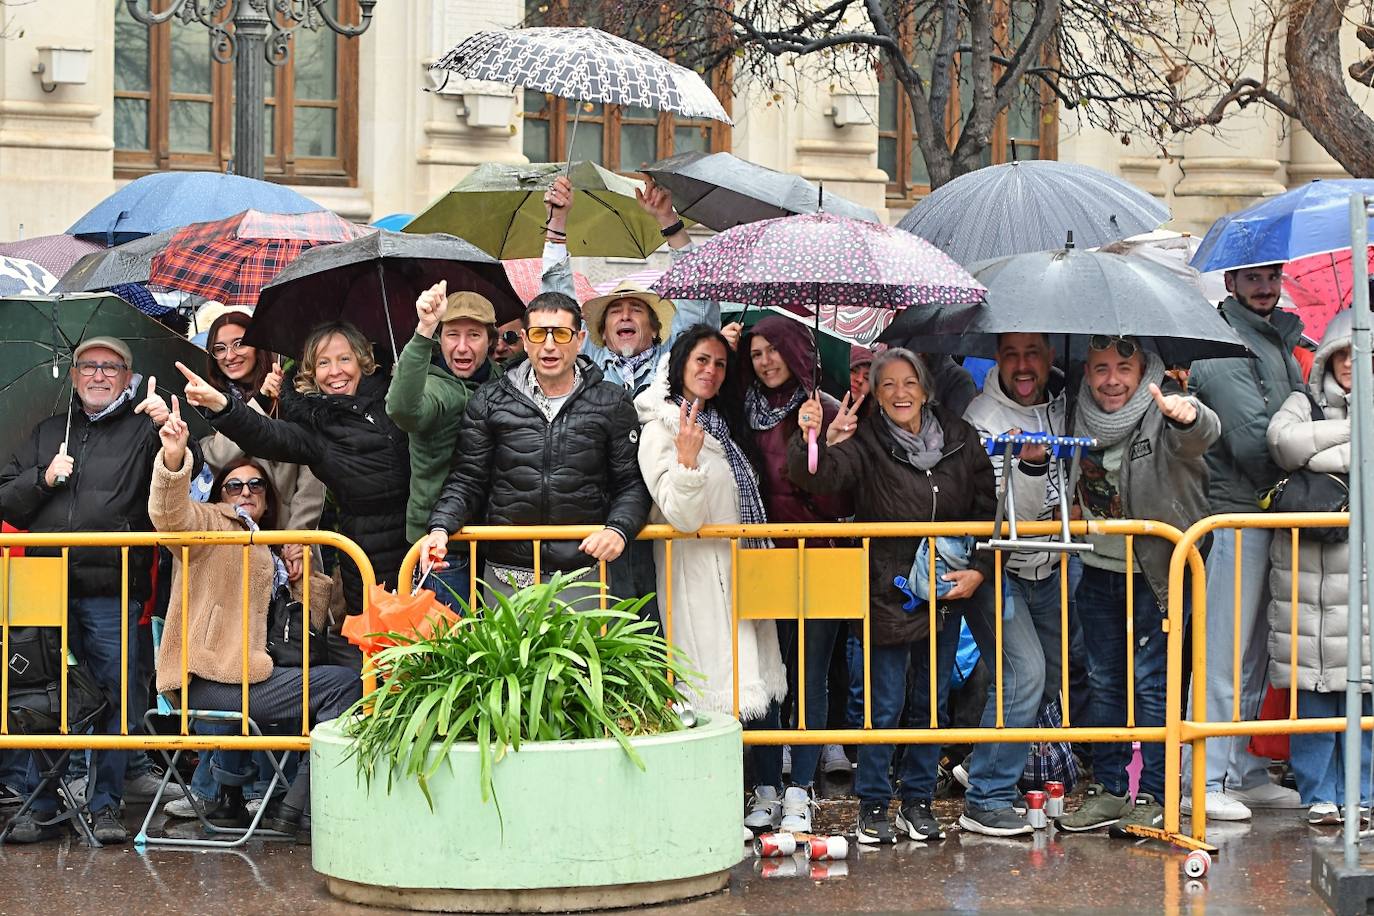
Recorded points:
685,712
1054,800
823,848
1035,809
770,845
823,870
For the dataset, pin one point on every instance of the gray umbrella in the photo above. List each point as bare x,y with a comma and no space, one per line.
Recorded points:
131,262
1074,294
720,191
1031,206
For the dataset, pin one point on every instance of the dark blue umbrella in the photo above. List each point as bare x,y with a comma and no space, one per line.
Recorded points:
1018,207
1312,219
169,200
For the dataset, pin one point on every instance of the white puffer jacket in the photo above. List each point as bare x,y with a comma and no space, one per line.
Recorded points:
1297,441
687,499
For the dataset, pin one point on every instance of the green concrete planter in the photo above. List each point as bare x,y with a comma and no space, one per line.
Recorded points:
580,826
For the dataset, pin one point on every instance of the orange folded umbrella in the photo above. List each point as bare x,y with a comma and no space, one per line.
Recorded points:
392,613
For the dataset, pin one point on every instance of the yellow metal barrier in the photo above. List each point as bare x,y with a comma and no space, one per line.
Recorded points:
33,592
1196,731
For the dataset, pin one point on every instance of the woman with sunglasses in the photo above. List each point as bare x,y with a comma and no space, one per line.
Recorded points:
249,375
242,500
335,423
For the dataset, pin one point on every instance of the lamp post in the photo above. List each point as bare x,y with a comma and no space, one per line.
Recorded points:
252,34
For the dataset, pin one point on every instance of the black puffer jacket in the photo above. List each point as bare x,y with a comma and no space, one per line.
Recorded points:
353,447
580,469
108,491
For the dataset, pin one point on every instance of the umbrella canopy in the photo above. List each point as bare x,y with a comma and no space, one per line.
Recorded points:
804,263
1079,293
1320,286
56,253
526,275
373,282
588,65
169,200
500,209
642,278
1018,207
1308,220
720,190
230,260
18,276
37,337
104,268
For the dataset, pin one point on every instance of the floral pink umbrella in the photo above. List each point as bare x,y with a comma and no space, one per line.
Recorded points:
1320,286
819,262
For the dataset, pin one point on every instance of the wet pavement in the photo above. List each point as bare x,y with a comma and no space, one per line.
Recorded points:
1264,867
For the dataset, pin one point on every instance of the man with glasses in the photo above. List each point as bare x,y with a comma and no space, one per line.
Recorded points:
548,443
90,469
1245,392
508,342
1148,463
430,389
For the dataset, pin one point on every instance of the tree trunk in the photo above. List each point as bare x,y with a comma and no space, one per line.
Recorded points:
1320,92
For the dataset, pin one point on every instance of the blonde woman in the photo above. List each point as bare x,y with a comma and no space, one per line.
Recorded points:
337,426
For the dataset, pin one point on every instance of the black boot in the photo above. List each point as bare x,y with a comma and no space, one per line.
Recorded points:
229,810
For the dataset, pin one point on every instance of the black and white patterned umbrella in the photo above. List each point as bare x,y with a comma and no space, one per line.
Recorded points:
586,65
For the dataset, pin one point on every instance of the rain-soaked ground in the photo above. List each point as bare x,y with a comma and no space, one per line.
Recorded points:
1264,867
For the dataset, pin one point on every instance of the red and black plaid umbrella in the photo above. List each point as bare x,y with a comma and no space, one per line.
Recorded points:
231,260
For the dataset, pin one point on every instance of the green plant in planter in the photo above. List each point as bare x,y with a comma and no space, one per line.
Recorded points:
528,668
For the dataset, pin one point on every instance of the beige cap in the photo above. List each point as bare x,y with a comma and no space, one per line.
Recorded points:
109,343
594,310
467,304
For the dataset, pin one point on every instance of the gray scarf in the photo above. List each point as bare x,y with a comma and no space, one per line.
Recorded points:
923,449
1110,428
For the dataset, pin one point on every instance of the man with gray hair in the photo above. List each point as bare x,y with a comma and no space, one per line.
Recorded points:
92,472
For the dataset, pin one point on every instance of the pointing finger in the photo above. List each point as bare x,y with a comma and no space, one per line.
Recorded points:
190,376
696,409
176,408
152,385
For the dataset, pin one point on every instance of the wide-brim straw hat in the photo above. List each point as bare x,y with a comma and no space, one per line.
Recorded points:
593,310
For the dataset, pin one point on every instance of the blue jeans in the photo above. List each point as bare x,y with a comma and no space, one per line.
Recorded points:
93,637
1041,599
854,704
995,768
452,587
1318,760
1102,612
820,645
888,681
767,758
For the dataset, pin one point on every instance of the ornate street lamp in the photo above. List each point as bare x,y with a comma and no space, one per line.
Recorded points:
251,33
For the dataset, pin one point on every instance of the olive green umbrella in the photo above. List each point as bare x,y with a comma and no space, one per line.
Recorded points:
500,209
37,337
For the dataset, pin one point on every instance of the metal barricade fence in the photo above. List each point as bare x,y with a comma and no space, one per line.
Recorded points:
1194,727
34,593
804,583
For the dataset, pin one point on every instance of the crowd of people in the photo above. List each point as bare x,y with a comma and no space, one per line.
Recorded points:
629,409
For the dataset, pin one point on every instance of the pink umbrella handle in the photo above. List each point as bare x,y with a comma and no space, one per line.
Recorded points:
813,455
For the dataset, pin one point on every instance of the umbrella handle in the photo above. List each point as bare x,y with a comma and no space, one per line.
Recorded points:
813,456
61,480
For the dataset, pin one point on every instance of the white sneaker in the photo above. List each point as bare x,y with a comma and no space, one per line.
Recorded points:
960,774
182,807
787,760
834,761
253,804
1323,814
796,810
1266,795
1220,806
78,787
765,810
143,788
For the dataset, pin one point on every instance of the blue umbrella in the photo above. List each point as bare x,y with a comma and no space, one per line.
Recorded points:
168,200
393,222
1312,219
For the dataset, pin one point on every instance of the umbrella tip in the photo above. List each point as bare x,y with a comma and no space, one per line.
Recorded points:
1068,242
820,196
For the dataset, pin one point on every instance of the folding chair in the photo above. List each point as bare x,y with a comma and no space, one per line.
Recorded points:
170,706
1062,449
34,603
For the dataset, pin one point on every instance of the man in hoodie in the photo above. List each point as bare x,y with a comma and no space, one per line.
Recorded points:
1246,392
93,472
429,390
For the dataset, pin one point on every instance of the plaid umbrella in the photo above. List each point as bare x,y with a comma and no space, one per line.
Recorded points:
56,253
18,277
588,65
231,260
526,275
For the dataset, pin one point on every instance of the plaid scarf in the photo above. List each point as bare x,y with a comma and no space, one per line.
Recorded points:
751,509
764,416
629,368
279,577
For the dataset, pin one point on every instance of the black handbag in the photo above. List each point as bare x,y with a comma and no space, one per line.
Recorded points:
288,640
1313,491
35,696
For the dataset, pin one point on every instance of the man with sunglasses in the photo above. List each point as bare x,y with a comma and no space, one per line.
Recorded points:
1149,463
548,443
91,470
508,342
438,372
1245,392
